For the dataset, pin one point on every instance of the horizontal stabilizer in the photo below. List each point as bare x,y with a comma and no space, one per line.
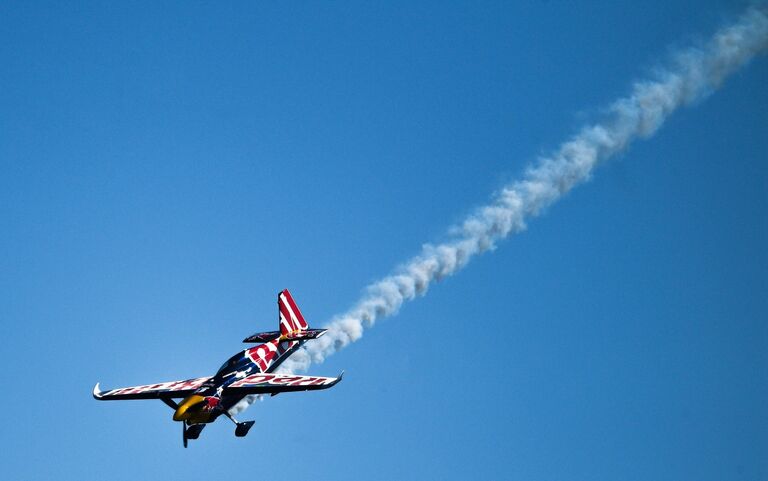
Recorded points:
304,335
262,336
293,336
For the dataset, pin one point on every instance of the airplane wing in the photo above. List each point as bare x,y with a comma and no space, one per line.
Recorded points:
277,383
163,390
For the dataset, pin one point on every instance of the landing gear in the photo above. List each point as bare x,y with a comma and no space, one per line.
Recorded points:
242,428
191,432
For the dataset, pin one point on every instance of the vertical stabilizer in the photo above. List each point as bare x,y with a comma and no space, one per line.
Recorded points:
291,319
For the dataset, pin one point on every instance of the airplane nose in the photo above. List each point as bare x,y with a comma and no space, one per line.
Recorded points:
184,411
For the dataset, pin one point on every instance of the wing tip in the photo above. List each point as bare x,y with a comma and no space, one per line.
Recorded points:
96,391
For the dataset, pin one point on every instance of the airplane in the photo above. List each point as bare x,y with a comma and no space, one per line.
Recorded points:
248,372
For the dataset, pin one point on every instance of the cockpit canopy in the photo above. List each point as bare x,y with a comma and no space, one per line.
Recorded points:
231,362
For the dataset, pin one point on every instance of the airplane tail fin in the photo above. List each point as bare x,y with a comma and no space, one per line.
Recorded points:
278,345
291,319
293,326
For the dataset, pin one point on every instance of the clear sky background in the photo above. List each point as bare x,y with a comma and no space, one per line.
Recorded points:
165,169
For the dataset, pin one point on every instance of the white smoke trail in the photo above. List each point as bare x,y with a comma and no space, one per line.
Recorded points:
694,74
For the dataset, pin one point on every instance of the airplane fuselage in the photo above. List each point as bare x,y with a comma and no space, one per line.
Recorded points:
207,403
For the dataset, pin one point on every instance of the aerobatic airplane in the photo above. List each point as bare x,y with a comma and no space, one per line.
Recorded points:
247,372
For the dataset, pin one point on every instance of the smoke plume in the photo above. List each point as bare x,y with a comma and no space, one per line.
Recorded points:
692,75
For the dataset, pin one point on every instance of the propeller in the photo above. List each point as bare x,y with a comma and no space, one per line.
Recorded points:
184,433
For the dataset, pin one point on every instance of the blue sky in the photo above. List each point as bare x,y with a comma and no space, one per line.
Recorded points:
166,169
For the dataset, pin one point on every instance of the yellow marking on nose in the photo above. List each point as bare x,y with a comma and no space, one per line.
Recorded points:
182,413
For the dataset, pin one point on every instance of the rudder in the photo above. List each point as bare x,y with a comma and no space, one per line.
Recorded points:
291,319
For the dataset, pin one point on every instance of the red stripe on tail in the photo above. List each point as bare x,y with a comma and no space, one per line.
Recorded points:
291,318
